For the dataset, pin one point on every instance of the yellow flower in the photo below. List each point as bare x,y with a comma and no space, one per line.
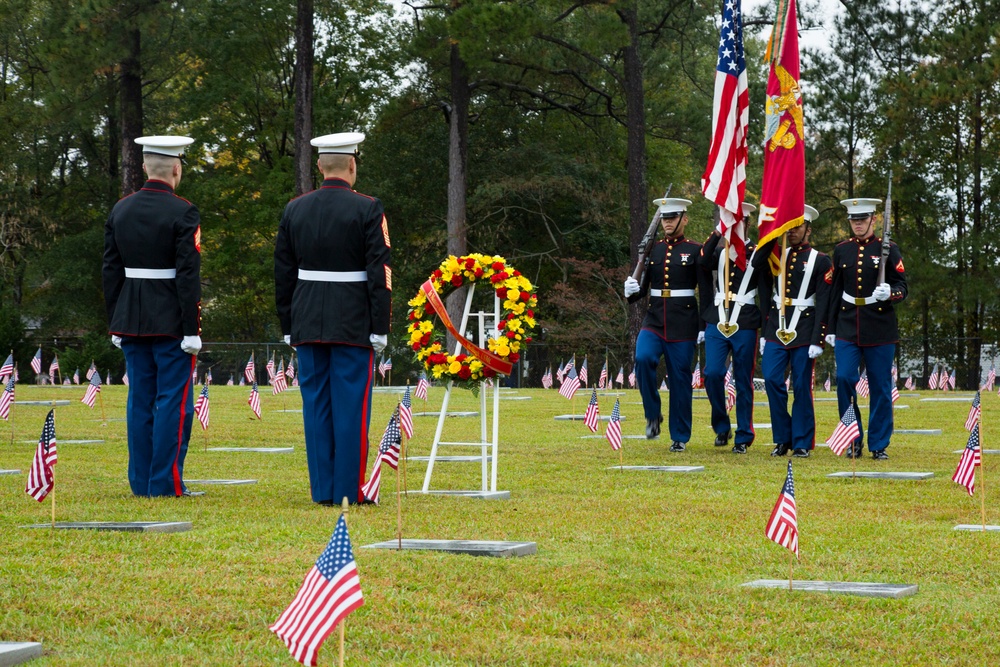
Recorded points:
475,366
455,367
427,327
512,284
530,321
445,278
451,265
502,348
438,370
524,283
517,308
418,300
415,337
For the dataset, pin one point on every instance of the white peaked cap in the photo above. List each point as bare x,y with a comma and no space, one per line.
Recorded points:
810,214
670,205
345,143
860,208
748,209
172,146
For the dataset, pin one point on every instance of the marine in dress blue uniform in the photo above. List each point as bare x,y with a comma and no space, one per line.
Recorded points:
742,345
863,323
807,280
333,284
672,323
152,291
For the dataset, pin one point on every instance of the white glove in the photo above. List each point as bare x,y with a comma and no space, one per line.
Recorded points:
831,340
762,343
379,341
815,351
631,286
288,340
701,337
882,292
191,344
116,341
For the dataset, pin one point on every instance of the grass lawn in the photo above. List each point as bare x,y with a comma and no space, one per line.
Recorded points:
634,568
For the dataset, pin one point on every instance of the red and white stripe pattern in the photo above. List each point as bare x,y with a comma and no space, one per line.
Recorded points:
602,381
7,398
592,416
862,385
696,376
53,369
279,382
547,378
406,414
972,457
848,430
201,408
36,361
620,378
570,384
932,381
909,384
93,389
826,385
422,386
951,381
7,369
975,413
330,592
730,389
583,372
250,371
783,526
614,430
254,400
724,180
991,377
40,477
388,451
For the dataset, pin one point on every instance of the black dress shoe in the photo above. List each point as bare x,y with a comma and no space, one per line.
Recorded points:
780,449
880,455
722,439
653,428
192,494
740,448
855,451
800,453
326,503
677,446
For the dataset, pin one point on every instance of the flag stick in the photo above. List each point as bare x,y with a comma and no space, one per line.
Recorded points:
104,419
52,494
781,281
621,460
343,509
399,513
791,562
982,472
725,280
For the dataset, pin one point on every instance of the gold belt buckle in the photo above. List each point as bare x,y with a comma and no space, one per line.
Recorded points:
788,300
665,293
859,301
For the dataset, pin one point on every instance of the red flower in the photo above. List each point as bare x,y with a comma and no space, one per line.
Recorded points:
495,278
498,266
502,325
525,296
437,358
531,313
429,308
502,275
412,315
517,274
437,273
502,292
479,273
489,372
511,334
456,280
464,372
528,339
416,347
514,356
461,357
426,338
469,263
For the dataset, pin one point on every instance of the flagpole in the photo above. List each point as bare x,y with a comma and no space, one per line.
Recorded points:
982,471
100,397
791,563
343,510
781,281
399,512
621,460
52,494
725,280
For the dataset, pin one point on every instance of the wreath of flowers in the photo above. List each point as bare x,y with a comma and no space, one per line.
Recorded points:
517,319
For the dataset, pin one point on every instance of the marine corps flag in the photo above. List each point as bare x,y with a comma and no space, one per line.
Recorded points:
783,191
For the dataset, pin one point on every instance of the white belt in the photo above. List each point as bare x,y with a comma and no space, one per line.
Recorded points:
334,276
668,293
799,303
151,274
742,299
859,301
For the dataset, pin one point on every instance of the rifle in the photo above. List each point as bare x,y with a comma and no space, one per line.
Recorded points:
886,229
647,240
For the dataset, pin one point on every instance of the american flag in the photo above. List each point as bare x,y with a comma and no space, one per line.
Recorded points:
895,373
932,381
783,526
53,369
560,372
280,383
125,378
975,413
208,376
254,400
8,367
383,366
91,370
40,477
951,380
388,451
592,416
603,379
547,378
620,378
696,376
36,361
93,389
862,386
724,180
7,399
583,372
201,408
250,371
894,394
406,413
991,377
614,431
730,389
270,368
972,457
943,379
631,378
422,386
570,385
230,383
909,383
848,430
330,592
290,371
76,376
663,385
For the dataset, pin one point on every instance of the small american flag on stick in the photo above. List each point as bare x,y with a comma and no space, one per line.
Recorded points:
8,367
570,384
40,477
280,382
388,451
591,417
614,431
250,371
93,389
422,386
862,386
7,399
783,526
201,408
975,413
406,413
848,430
965,474
254,400
36,361
730,389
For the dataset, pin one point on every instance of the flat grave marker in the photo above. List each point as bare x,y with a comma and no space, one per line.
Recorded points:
660,468
976,527
10,472
467,547
120,526
580,418
450,414
14,653
262,450
862,588
475,494
222,482
48,403
884,475
917,431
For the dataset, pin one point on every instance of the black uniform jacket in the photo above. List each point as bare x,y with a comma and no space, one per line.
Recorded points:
333,229
811,327
153,229
855,271
708,262
672,264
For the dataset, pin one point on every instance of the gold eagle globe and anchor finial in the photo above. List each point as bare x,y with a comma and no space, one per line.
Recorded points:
790,100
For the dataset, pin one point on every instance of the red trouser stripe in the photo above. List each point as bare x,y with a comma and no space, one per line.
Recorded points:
364,425
178,486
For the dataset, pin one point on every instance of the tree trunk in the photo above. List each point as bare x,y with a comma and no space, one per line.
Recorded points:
131,114
303,96
114,136
458,154
636,155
